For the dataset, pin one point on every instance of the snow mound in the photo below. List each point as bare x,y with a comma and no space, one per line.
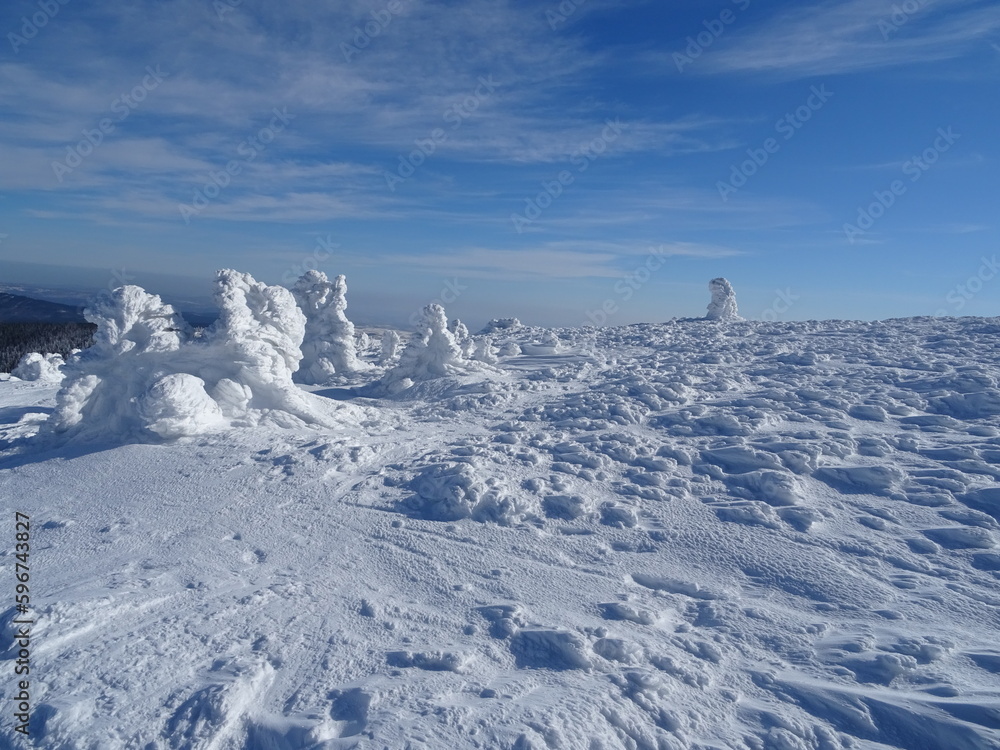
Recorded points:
453,491
723,304
46,368
328,345
501,324
147,376
548,344
549,649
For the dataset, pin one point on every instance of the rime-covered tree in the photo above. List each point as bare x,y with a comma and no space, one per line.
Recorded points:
148,377
103,384
390,343
329,347
723,303
432,353
39,367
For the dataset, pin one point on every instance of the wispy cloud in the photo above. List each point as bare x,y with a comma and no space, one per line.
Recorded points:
552,260
844,37
225,72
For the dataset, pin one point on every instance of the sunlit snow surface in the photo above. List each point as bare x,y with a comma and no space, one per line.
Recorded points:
690,535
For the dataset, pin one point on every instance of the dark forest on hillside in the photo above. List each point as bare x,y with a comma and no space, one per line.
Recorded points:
18,339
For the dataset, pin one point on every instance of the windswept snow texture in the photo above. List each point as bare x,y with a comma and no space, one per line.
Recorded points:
147,377
756,536
723,303
328,346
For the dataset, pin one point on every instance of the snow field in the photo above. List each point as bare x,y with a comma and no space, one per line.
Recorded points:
759,536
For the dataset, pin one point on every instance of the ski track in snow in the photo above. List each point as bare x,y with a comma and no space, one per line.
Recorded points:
689,535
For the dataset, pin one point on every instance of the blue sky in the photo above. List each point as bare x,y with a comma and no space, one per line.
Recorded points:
540,160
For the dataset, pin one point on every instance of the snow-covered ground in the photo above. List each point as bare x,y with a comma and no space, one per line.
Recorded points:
700,534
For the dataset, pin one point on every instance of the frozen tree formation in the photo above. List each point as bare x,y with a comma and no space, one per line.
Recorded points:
105,383
40,367
328,347
147,376
485,351
390,343
432,353
256,348
723,304
463,338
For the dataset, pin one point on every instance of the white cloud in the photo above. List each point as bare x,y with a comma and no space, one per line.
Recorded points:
843,37
553,260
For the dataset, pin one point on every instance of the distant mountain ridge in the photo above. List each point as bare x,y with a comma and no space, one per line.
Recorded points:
17,309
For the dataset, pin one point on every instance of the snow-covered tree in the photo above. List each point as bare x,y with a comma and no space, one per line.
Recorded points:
40,367
485,352
462,338
257,339
390,343
723,304
103,383
147,376
433,353
328,347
